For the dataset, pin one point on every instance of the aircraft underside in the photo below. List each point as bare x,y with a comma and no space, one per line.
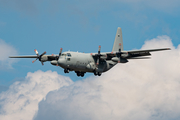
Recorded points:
103,66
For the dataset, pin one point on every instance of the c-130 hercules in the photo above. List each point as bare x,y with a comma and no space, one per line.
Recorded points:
96,63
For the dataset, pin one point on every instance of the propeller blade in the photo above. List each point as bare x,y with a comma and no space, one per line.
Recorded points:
43,53
98,55
34,60
97,62
118,54
60,52
119,47
119,60
36,52
99,49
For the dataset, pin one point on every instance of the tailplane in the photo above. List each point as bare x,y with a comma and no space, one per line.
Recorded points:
118,40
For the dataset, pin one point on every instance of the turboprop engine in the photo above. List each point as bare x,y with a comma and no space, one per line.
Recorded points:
44,58
119,60
91,66
55,62
120,56
125,55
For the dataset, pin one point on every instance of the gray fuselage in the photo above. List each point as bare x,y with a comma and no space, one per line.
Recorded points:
83,62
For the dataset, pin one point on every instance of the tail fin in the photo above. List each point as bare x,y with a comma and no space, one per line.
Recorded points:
118,40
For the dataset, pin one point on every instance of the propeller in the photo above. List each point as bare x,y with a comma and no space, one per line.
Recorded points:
60,52
39,56
118,54
98,55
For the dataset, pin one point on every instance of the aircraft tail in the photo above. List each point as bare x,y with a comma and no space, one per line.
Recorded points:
118,40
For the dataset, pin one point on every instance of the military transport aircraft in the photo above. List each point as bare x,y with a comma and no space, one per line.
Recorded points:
96,63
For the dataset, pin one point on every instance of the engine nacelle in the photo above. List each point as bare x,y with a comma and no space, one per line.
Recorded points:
44,58
104,57
122,60
125,55
91,66
115,59
54,62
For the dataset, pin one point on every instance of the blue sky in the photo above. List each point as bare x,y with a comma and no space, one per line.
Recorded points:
82,26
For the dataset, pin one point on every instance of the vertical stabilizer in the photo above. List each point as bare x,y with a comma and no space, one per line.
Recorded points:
118,40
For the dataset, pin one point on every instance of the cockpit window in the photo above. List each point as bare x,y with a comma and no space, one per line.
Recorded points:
68,54
63,54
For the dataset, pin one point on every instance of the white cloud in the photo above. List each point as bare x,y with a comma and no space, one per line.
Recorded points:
20,102
5,51
138,90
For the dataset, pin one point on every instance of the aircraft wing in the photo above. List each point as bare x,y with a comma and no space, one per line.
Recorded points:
47,57
134,53
150,50
26,56
139,53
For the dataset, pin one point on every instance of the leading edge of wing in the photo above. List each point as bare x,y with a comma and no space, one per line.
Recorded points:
149,50
134,51
25,56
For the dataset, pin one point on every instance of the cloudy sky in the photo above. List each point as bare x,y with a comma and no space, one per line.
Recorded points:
138,90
